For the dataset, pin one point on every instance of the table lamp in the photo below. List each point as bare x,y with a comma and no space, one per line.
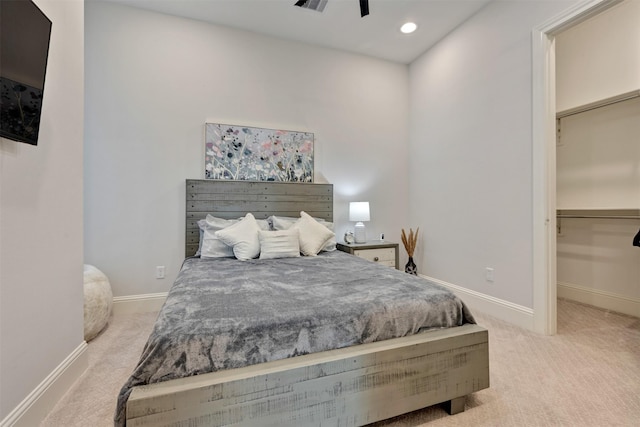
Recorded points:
359,212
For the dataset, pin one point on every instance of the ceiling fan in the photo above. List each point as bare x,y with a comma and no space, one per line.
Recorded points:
320,4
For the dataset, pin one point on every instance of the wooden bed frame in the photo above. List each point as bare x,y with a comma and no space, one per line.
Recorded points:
353,386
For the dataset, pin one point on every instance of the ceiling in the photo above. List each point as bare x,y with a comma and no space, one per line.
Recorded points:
339,26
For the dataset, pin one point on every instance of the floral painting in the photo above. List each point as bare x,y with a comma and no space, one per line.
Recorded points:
257,154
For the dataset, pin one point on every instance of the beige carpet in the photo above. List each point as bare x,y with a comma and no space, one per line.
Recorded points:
587,375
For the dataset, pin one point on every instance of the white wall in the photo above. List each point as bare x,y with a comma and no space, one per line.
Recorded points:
598,158
598,265
471,162
41,296
153,80
600,57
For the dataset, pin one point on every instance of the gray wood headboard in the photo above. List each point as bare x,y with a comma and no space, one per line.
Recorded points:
233,199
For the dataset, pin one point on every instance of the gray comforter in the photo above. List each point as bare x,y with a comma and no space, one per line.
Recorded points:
224,313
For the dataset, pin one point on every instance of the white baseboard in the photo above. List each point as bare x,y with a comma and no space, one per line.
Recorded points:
138,303
504,310
602,299
37,405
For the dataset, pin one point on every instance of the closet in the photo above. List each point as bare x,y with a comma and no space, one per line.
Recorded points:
598,160
598,204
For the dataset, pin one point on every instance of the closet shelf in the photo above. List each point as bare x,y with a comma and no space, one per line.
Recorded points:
597,104
599,213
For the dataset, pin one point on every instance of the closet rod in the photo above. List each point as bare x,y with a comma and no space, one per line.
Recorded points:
599,216
599,213
598,104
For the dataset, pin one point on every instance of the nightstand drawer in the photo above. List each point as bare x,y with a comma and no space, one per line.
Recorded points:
384,256
385,253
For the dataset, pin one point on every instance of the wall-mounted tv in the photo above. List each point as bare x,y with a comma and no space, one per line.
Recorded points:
24,46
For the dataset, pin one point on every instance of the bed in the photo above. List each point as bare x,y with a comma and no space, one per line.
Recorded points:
325,340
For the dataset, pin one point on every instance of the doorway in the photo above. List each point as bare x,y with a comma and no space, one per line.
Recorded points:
544,160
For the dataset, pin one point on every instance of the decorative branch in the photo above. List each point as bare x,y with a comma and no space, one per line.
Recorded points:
411,241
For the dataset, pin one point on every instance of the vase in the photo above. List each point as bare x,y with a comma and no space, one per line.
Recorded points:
411,267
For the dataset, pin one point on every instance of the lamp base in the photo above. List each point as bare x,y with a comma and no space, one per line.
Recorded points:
360,234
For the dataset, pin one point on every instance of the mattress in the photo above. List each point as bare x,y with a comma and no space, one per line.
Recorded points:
224,313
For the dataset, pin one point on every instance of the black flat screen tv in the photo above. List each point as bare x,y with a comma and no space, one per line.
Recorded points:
25,32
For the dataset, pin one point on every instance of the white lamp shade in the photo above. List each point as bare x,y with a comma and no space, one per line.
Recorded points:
359,211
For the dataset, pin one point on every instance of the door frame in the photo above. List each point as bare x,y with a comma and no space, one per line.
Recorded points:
544,159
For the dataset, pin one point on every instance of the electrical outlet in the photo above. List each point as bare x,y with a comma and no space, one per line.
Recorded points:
160,272
488,274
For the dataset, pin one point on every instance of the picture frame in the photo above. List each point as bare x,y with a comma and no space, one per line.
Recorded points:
258,154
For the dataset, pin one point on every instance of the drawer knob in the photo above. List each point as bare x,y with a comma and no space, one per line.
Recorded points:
376,259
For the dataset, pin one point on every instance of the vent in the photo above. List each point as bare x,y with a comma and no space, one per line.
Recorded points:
317,5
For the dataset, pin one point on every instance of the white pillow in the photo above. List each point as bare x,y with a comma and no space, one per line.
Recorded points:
243,237
313,235
210,245
263,224
214,247
285,222
201,223
279,244
282,222
331,244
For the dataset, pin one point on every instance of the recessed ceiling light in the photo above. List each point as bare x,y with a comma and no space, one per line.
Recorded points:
409,27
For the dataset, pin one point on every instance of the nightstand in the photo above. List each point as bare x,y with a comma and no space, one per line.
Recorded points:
382,252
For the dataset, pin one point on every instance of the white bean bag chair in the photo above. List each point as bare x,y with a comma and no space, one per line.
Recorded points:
98,301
